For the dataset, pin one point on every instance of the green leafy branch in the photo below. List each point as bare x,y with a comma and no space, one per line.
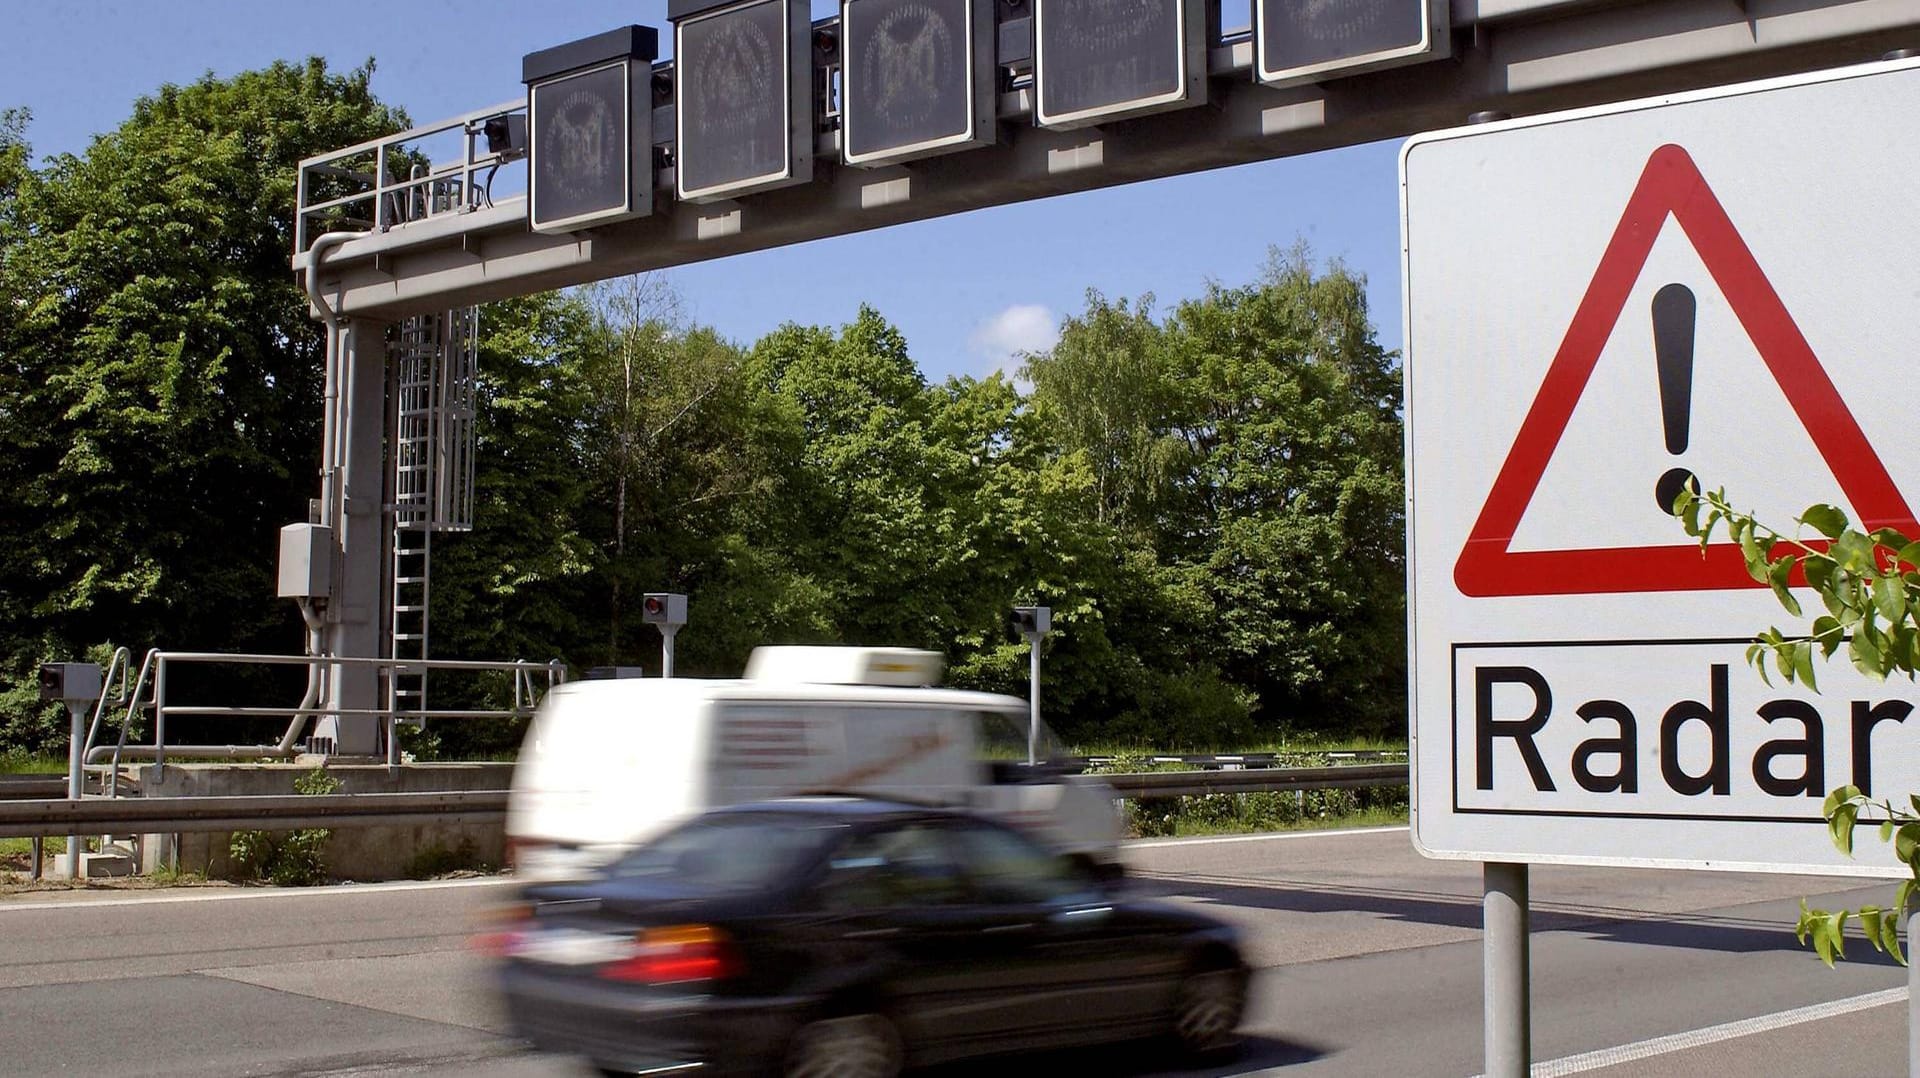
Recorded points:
1869,583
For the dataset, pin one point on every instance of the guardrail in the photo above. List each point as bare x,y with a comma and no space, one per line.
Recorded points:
1238,760
1255,780
170,815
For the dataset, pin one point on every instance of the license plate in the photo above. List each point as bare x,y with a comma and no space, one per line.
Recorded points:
572,947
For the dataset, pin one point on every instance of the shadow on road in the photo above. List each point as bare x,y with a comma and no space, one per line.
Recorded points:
1714,932
1137,1060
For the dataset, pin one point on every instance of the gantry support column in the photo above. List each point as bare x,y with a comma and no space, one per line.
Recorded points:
352,503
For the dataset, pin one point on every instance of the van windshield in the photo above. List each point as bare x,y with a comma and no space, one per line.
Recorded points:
728,852
1003,738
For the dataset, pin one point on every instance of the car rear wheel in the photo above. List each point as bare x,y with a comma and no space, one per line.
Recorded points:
854,1046
1207,1010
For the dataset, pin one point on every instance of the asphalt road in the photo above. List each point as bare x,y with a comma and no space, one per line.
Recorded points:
1368,956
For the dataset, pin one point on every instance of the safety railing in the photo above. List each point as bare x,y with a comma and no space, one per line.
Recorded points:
530,682
381,183
121,665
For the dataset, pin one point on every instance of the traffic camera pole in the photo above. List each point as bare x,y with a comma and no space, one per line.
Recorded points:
1504,948
76,782
666,611
1033,622
1033,698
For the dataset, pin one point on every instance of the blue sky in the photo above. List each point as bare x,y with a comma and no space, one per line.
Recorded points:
967,291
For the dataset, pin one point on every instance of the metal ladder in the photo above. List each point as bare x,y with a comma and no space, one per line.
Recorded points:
434,370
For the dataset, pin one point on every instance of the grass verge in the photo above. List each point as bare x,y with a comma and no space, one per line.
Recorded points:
1184,826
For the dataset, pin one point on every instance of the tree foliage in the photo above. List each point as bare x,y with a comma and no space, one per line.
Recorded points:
1869,584
1251,444
160,386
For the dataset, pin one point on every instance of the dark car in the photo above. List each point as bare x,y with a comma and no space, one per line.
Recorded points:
841,936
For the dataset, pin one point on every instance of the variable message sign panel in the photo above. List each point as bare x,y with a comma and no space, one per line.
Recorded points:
1602,306
743,95
1298,42
916,78
590,130
1103,59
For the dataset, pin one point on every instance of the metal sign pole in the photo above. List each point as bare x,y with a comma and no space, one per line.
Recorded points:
1913,998
1033,699
666,649
1504,951
76,783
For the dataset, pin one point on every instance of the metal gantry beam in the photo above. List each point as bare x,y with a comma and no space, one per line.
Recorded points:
1514,56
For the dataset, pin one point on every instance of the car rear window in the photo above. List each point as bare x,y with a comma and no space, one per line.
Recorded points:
728,853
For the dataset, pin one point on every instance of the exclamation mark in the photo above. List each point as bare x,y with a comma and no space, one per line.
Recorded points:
1673,312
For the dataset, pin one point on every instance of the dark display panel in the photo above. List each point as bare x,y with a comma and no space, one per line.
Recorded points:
578,131
1108,55
1298,34
907,78
733,79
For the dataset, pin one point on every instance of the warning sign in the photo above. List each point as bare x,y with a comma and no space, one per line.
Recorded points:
1670,188
1603,309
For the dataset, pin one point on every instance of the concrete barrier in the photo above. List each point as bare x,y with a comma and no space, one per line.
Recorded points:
353,852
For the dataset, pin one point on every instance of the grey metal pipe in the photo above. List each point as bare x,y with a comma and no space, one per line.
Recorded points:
1505,957
224,752
330,398
315,676
1913,998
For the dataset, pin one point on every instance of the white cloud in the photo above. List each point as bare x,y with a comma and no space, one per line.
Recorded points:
999,342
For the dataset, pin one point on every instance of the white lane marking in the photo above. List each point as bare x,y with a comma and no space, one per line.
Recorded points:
1726,1031
197,894
1149,844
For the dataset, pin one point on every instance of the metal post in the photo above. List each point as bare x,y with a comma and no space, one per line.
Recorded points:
76,752
354,509
666,649
1033,698
1504,949
1913,998
159,717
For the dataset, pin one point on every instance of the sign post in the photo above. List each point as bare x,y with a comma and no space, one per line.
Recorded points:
1604,308
1506,969
1033,623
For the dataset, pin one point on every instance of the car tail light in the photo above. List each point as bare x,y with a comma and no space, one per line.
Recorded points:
499,932
677,954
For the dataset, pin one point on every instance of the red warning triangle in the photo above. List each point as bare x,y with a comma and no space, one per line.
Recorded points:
1670,184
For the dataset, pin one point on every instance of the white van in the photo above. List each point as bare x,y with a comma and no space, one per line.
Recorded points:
609,763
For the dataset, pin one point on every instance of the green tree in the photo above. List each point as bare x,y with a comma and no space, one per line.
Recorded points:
1246,455
678,459
161,381
1869,584
1111,388
1299,435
